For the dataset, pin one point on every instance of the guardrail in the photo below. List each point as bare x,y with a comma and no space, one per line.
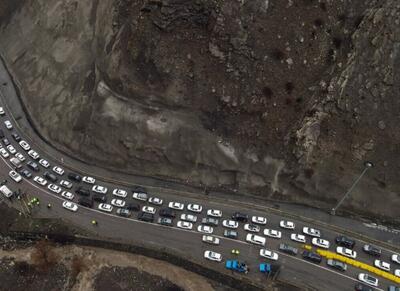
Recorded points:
192,265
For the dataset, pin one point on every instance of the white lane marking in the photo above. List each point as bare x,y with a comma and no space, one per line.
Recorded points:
112,181
158,225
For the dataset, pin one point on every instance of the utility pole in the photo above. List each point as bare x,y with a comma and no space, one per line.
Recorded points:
367,165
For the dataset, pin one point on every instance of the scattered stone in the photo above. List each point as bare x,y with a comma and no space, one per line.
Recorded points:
381,125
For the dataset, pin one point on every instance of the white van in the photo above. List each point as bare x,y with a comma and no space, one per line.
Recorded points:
6,192
16,162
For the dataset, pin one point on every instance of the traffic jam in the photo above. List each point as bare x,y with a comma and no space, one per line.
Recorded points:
136,203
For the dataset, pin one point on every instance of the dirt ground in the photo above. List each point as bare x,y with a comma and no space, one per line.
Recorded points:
45,266
81,269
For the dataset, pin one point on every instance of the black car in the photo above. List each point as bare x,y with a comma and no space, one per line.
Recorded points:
74,177
99,197
5,141
123,212
209,221
82,191
165,221
25,173
50,177
338,265
16,137
167,212
288,249
346,242
230,233
85,201
33,166
132,206
372,250
313,257
362,287
148,217
238,216
139,189
2,134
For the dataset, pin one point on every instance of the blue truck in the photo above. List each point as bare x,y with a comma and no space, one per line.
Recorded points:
237,266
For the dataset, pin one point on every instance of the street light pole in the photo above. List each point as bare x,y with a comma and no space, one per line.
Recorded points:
367,166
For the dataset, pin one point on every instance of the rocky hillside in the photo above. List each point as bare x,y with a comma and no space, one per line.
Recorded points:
281,98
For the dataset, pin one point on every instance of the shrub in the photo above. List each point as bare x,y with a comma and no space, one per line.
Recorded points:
43,256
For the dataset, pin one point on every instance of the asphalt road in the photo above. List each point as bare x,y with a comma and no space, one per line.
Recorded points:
188,243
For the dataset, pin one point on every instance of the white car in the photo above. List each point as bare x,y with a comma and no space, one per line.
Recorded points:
287,224
139,196
214,212
255,239
213,256
24,145
8,124
44,163
368,279
99,189
195,208
311,231
71,206
2,112
105,207
155,201
118,202
20,157
89,180
346,252
67,195
382,265
54,188
120,193
34,155
149,209
41,181
66,184
176,205
272,233
11,149
205,229
259,220
230,223
269,254
396,258
210,239
298,237
251,227
15,176
397,272
188,217
319,242
4,153
184,224
58,170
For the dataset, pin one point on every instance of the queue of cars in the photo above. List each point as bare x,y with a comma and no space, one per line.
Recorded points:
187,220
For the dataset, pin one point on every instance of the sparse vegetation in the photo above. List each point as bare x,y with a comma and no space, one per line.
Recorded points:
43,256
77,266
267,91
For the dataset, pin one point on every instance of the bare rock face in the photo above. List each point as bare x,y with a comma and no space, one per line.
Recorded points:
283,98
